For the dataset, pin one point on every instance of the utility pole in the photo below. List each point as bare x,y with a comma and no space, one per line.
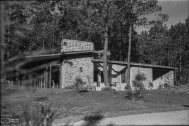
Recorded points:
129,51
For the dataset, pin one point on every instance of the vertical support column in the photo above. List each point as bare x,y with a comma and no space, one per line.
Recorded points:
63,75
40,79
20,80
98,78
175,77
130,76
17,77
60,77
30,80
110,73
46,77
50,69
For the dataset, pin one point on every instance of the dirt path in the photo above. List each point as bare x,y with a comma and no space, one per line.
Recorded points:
163,118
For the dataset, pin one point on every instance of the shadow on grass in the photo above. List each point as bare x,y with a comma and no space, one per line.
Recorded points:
42,99
186,106
93,119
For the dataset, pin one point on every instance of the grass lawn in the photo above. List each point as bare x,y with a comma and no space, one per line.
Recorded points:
69,103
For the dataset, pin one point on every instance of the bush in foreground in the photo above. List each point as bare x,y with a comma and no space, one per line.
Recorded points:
138,84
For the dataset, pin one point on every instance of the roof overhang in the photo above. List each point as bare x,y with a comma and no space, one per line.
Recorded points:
50,56
23,60
135,64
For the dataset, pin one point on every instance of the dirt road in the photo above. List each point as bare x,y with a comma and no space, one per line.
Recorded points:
163,118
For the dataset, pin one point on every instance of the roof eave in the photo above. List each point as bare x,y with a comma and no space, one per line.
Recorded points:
136,64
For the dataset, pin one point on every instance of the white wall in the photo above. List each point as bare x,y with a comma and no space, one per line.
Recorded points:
148,74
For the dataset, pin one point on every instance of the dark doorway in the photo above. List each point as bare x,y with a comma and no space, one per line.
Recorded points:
55,76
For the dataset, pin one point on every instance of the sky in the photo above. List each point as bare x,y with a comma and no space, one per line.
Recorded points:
178,11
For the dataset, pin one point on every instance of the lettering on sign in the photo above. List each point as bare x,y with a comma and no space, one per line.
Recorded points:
75,45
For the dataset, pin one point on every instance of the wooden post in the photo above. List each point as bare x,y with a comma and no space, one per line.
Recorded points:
98,78
34,84
17,77
175,77
21,80
60,77
50,76
37,82
46,77
40,81
41,76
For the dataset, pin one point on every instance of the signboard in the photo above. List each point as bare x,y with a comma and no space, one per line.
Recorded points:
68,45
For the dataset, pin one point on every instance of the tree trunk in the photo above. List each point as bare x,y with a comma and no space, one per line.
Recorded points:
180,64
128,65
105,49
129,54
105,57
121,43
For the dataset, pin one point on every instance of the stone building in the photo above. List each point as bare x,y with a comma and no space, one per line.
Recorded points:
77,59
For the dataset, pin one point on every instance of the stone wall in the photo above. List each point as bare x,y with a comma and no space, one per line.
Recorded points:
169,78
77,67
148,74
75,45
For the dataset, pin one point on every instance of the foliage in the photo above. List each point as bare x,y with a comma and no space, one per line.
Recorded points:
169,47
138,84
129,95
152,46
79,85
150,85
162,86
40,115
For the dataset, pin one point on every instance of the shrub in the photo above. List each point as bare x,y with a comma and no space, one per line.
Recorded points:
150,85
79,85
166,85
40,115
138,84
129,95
